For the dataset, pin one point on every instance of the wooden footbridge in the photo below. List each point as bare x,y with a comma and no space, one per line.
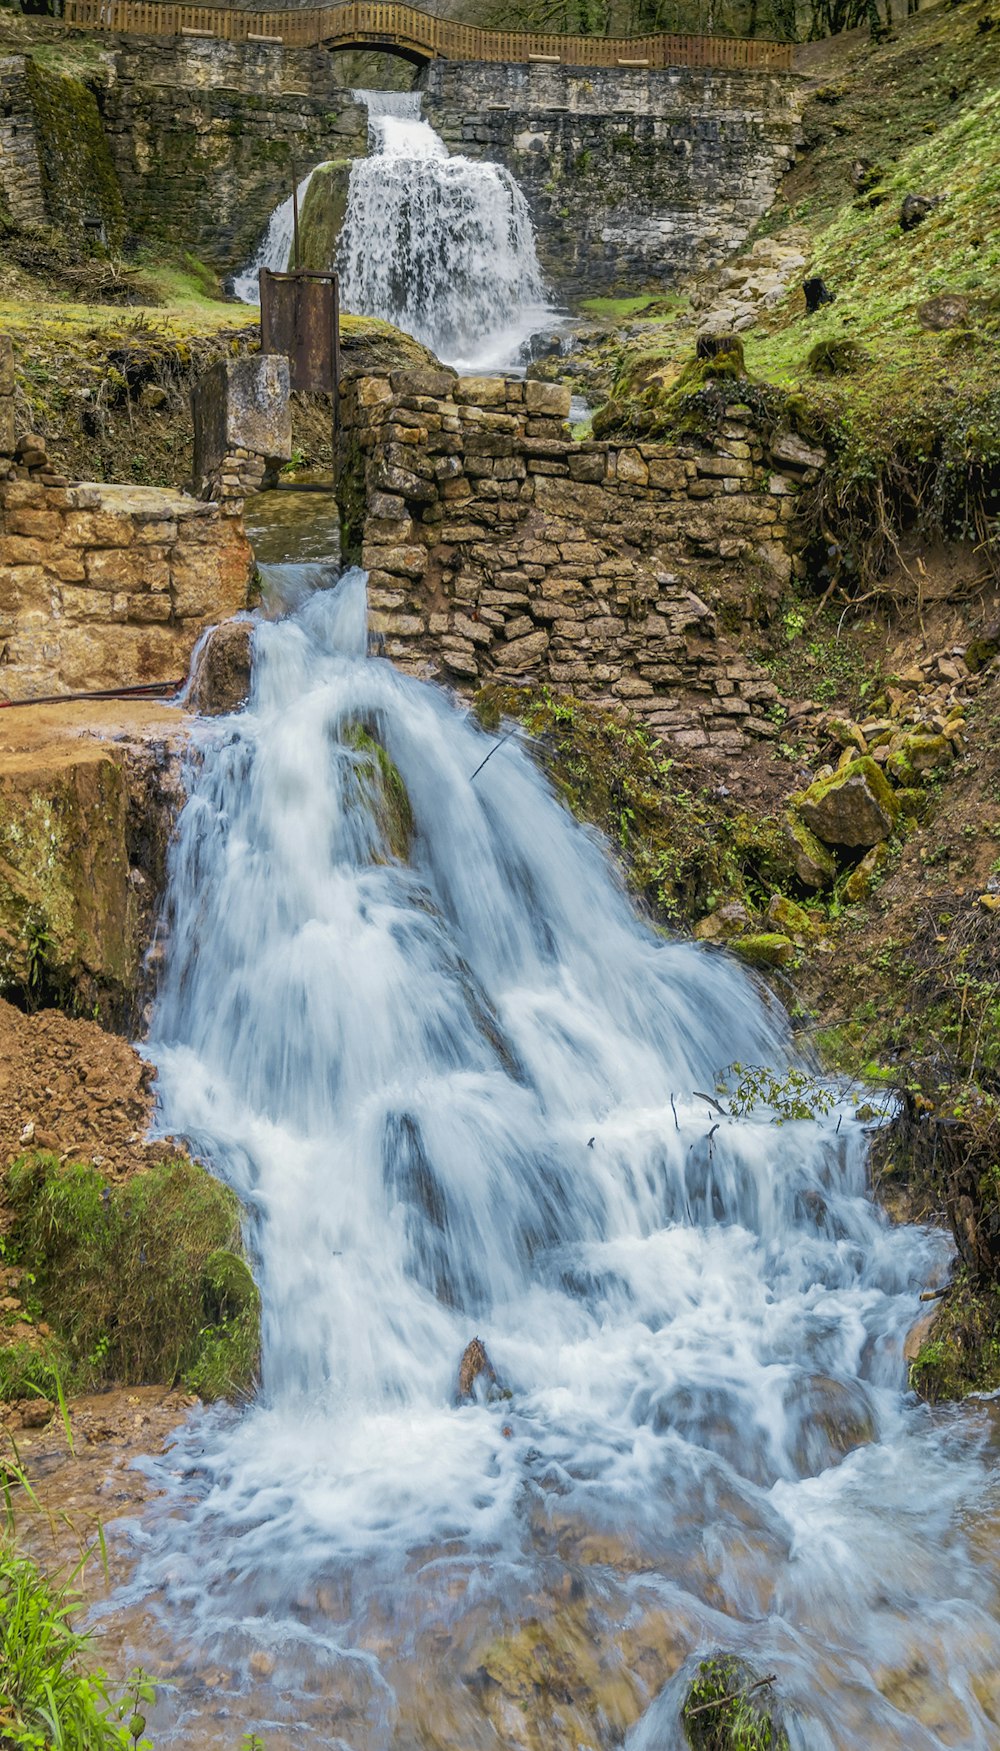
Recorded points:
417,36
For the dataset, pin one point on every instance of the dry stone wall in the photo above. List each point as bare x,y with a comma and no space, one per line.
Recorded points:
498,548
104,586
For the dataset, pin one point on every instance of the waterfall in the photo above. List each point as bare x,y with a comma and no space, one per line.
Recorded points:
275,248
441,246
410,1015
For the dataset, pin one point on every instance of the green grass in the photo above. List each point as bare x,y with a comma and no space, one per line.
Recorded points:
47,1698
652,306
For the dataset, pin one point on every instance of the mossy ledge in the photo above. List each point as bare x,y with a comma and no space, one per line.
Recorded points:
139,1282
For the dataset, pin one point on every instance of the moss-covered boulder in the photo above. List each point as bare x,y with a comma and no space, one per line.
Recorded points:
814,865
854,807
139,1282
927,752
768,948
792,920
322,214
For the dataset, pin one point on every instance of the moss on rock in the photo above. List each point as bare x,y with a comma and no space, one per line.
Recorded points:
322,214
768,948
140,1282
78,173
380,789
68,918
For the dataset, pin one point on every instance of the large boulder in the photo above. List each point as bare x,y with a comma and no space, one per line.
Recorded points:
855,807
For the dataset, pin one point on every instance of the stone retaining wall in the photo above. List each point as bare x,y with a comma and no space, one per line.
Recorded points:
500,549
207,136
633,176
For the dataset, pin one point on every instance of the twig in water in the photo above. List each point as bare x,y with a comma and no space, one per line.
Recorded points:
673,1108
935,1294
491,753
699,1095
734,1696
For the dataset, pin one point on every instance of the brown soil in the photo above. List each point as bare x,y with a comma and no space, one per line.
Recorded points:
69,1087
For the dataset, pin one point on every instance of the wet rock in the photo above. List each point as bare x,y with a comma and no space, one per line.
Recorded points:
813,864
854,807
915,209
829,1419
769,948
477,1377
221,680
725,921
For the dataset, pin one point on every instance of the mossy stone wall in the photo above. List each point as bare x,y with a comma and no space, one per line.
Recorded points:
78,175
209,137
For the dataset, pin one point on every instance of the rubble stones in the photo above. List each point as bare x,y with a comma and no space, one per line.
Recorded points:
855,807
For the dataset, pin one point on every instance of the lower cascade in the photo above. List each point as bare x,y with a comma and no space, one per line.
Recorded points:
465,1093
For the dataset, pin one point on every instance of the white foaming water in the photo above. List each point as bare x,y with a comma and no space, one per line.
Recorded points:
275,248
440,246
458,1095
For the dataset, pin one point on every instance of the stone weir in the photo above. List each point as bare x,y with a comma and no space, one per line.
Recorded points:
498,548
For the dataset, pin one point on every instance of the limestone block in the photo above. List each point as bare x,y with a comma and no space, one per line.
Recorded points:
481,391
242,404
524,653
6,365
551,400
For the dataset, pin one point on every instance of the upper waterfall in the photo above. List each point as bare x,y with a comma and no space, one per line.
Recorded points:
441,246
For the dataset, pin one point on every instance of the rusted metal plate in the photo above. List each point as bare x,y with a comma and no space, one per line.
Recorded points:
299,317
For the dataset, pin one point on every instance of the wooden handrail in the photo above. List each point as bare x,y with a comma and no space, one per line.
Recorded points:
418,35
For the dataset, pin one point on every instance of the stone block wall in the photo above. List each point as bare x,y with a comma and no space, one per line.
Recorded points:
633,176
498,548
21,192
207,136
110,586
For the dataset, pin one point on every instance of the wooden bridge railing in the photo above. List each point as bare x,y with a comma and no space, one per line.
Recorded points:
418,35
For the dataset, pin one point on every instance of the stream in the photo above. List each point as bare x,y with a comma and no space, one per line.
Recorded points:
410,1015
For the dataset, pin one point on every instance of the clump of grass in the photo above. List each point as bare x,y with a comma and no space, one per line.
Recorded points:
143,1281
47,1697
